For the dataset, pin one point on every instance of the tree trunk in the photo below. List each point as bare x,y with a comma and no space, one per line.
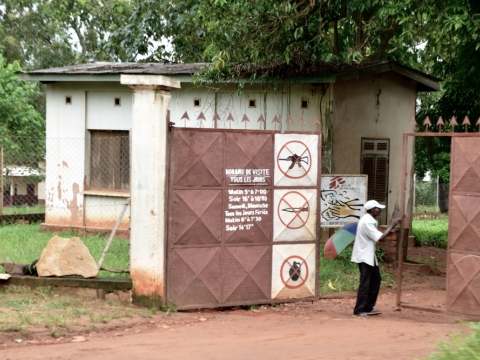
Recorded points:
443,192
381,49
358,31
335,38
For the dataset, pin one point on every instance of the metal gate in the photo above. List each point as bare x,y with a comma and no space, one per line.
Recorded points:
463,272
243,219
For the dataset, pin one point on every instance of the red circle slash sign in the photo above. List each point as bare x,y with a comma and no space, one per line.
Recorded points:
301,212
288,159
297,270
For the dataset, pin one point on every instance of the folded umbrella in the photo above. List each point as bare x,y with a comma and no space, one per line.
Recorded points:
340,240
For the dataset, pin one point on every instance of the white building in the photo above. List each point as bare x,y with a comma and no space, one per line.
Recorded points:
362,110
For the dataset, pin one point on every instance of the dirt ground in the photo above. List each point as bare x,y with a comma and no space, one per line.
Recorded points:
323,328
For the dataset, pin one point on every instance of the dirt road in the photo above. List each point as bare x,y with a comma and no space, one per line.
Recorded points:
324,329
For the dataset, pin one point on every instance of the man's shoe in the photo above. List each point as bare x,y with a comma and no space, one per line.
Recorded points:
374,312
362,314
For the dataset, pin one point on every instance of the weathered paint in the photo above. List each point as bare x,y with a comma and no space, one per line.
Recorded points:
379,106
147,182
146,283
92,107
65,155
101,212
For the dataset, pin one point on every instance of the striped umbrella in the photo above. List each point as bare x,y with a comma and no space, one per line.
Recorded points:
340,240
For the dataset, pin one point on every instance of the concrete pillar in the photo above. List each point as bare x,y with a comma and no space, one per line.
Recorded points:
151,100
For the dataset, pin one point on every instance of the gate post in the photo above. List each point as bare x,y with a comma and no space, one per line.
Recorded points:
150,103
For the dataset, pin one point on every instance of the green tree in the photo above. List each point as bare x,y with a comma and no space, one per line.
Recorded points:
454,56
50,33
272,32
22,128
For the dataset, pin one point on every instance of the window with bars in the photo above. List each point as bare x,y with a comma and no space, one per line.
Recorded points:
374,163
109,160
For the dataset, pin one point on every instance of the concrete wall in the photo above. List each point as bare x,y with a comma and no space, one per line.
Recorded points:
284,100
91,107
353,103
378,107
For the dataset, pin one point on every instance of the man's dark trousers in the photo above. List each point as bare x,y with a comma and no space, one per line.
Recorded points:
370,280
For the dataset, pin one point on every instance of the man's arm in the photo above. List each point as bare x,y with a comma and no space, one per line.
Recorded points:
390,228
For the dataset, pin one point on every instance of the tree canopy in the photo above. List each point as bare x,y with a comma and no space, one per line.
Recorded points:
265,31
457,61
49,33
22,128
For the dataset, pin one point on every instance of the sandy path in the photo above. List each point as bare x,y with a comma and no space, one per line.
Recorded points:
325,329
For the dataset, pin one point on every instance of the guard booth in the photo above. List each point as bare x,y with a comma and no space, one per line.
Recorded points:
243,217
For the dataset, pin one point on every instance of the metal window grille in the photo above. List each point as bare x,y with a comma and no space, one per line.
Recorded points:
110,160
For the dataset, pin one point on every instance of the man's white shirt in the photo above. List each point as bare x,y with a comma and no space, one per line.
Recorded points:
365,240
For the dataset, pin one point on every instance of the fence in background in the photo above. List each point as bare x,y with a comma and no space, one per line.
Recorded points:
79,185
430,198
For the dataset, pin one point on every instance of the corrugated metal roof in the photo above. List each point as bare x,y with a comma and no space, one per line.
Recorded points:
97,68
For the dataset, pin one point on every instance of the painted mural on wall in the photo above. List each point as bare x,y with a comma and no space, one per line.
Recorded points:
342,198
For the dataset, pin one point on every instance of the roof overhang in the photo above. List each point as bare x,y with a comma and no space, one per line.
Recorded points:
185,72
425,82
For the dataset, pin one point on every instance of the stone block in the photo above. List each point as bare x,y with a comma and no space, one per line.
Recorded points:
65,257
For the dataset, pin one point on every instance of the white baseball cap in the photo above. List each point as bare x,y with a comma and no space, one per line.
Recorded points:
369,205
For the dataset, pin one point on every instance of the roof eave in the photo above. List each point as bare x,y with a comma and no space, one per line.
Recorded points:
52,78
425,82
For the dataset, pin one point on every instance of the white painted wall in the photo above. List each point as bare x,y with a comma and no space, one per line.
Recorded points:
148,183
283,101
67,140
103,114
101,212
65,157
357,114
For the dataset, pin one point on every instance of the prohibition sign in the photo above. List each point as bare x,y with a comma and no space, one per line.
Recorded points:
291,160
299,211
301,271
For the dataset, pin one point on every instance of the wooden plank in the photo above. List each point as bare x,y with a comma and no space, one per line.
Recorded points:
109,285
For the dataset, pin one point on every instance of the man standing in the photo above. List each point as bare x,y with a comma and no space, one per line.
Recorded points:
364,254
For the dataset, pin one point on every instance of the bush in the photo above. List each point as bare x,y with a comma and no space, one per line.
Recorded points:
431,232
459,347
343,274
426,192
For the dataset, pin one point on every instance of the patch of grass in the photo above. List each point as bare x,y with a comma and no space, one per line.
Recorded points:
24,209
57,309
431,232
425,208
168,308
343,274
24,244
460,347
